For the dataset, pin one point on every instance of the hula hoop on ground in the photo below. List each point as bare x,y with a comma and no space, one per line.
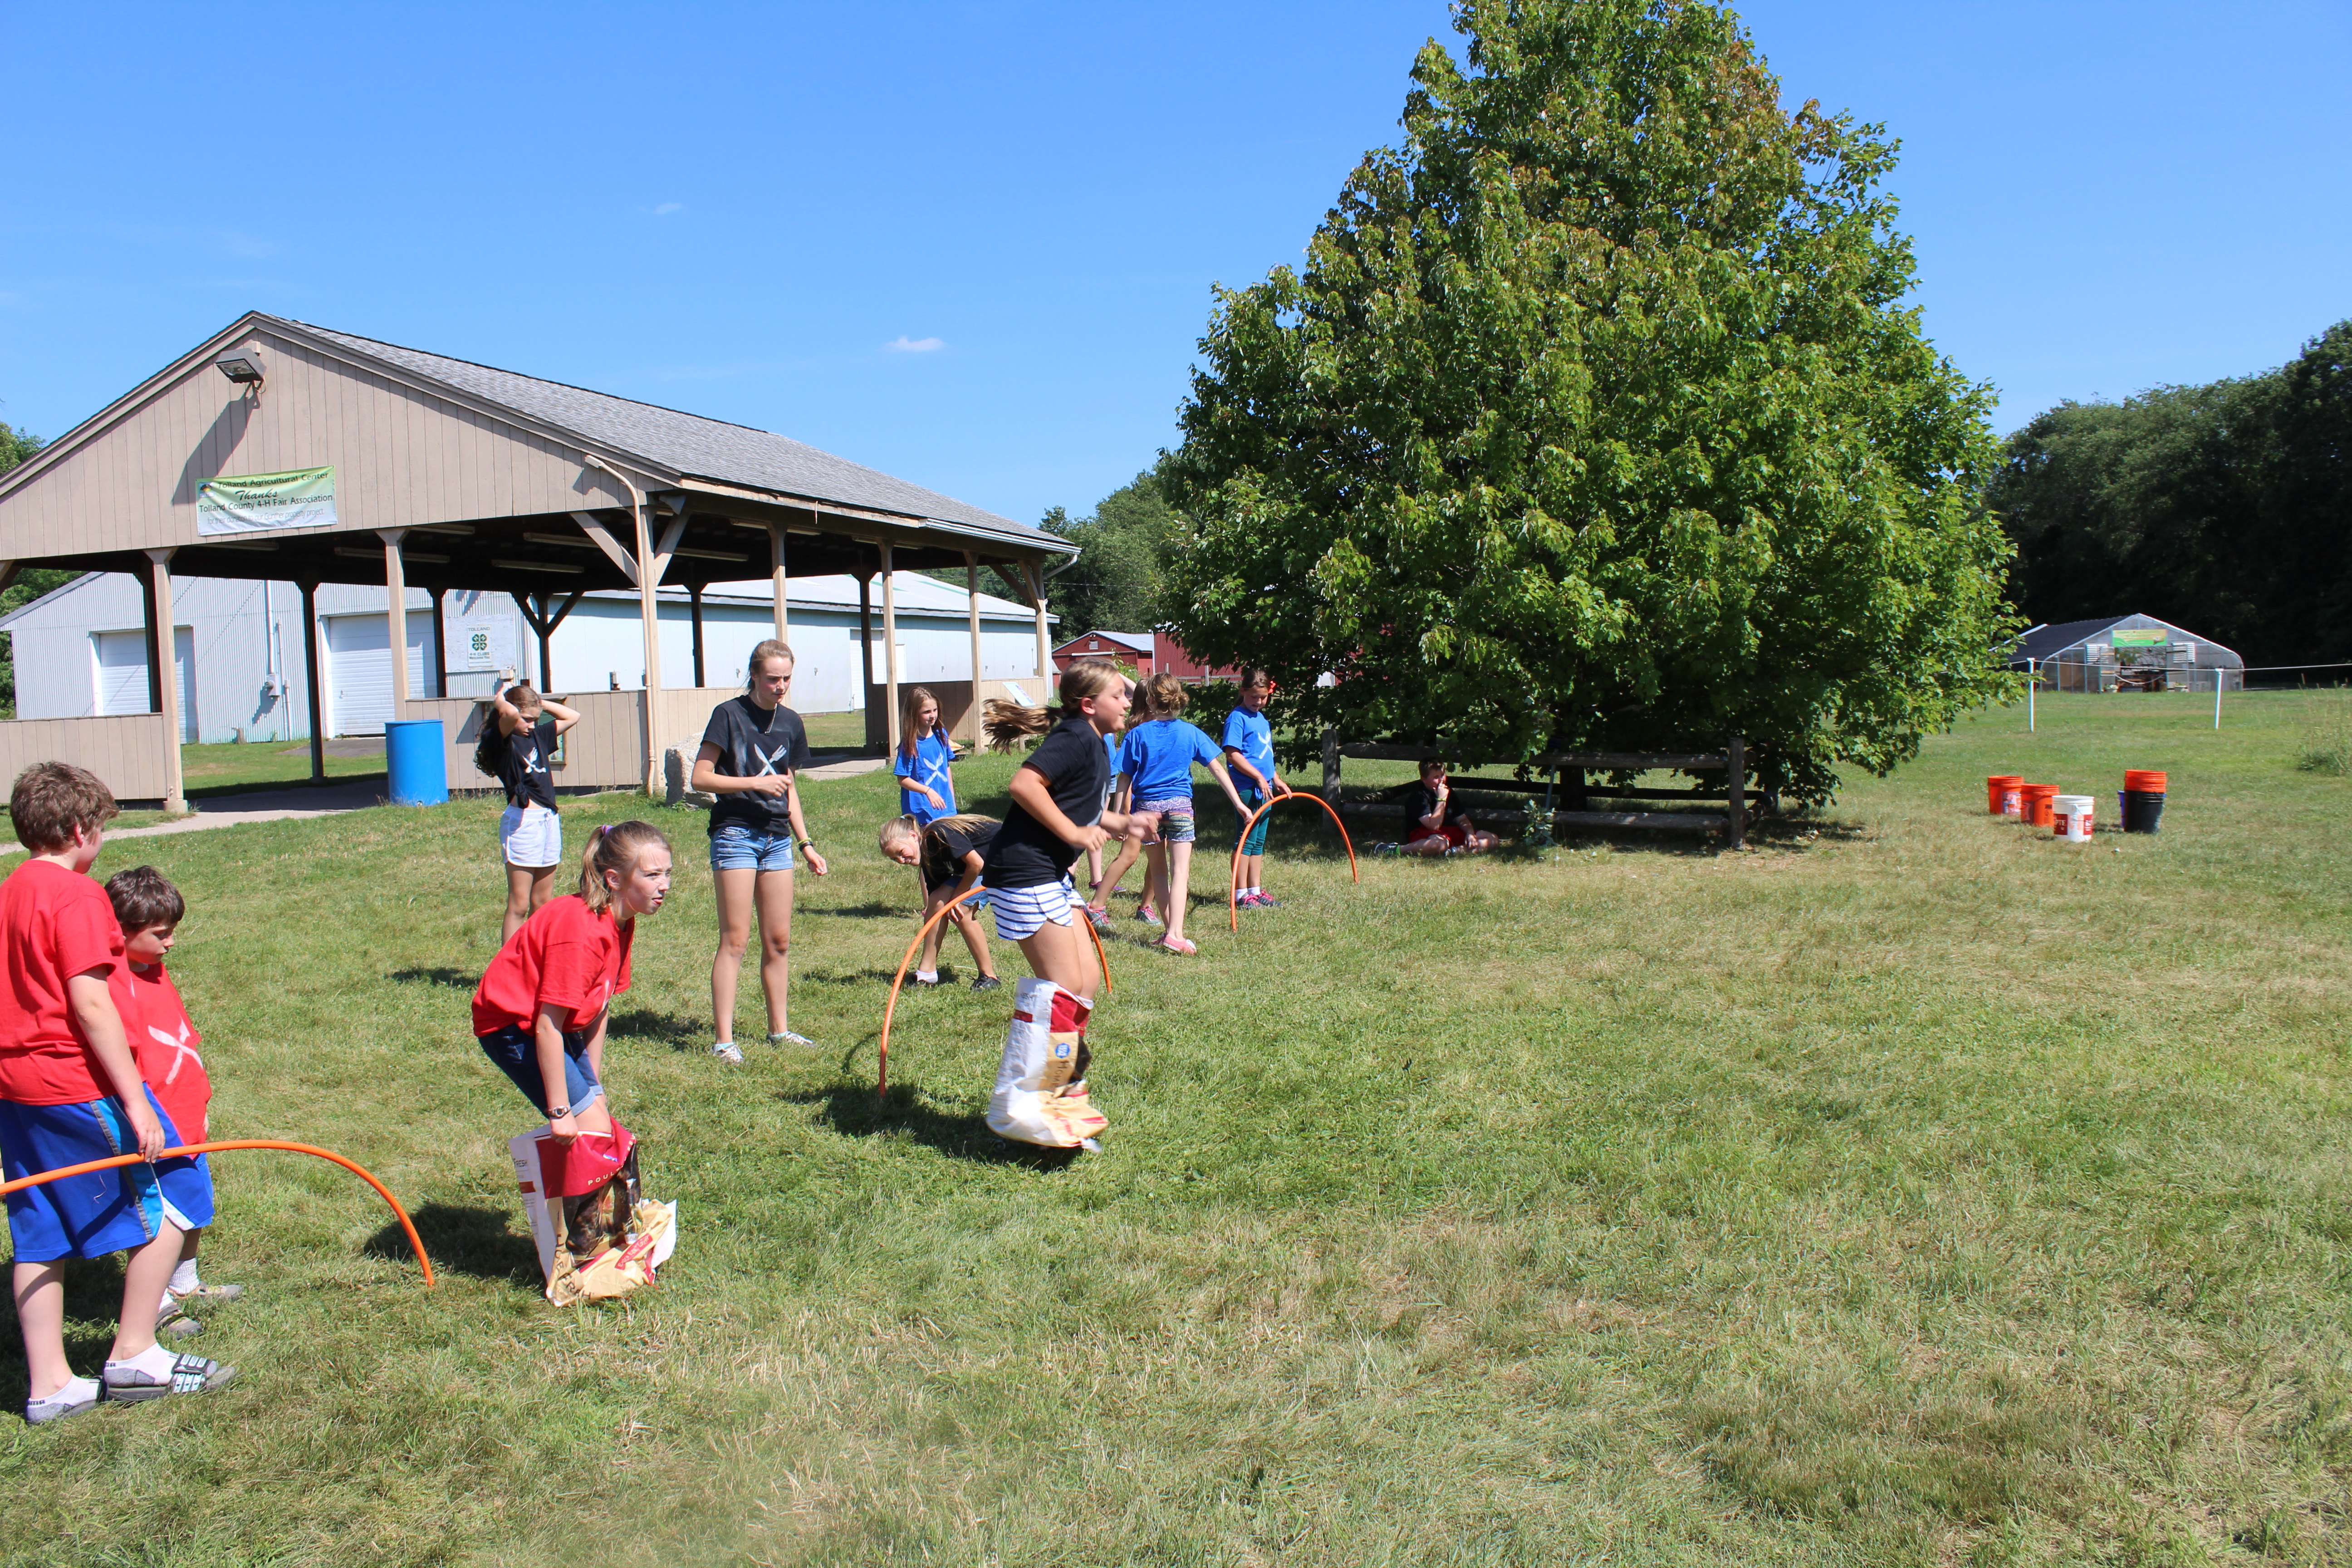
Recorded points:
1233,887
890,1008
87,1166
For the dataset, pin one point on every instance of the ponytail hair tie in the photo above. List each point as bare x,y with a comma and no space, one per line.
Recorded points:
602,828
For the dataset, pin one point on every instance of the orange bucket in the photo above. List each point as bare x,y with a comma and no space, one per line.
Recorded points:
2146,781
1996,786
2035,808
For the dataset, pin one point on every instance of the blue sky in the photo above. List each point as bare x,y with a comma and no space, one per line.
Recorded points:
972,244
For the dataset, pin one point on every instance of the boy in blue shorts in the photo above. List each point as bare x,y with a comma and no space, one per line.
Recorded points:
71,1092
1248,744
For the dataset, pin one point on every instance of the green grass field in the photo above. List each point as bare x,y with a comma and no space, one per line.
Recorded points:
1908,1188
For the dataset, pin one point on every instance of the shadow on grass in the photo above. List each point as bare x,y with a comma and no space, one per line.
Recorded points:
855,1110
480,1242
461,979
679,1033
872,910
842,977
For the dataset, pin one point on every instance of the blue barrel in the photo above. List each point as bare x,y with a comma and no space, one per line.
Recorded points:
415,760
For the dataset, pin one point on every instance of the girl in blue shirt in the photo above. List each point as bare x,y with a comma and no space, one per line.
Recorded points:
1249,760
1158,759
925,754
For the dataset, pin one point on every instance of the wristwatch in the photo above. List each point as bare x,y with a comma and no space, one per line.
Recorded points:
558,1112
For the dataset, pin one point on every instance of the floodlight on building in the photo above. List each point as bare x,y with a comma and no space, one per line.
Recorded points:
242,366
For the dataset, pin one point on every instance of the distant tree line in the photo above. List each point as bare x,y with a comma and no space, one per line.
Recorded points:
2224,508
30,585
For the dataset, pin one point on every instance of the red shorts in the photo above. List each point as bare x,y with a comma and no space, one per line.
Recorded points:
1453,833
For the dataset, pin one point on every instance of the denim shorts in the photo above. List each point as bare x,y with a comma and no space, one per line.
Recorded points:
735,847
514,1051
1176,826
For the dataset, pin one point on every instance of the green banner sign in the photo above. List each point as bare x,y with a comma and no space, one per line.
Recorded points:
2132,637
247,503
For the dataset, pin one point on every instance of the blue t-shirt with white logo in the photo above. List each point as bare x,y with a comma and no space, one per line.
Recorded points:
1159,756
934,754
1251,734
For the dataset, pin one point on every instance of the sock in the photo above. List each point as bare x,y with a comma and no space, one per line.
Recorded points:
1249,892
925,976
154,1361
76,1390
183,1278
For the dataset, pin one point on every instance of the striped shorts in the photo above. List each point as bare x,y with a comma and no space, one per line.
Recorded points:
1023,912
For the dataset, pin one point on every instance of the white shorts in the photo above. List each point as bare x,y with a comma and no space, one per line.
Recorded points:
530,836
1024,911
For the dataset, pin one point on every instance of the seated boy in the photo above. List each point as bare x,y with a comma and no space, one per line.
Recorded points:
164,1042
71,1092
1438,826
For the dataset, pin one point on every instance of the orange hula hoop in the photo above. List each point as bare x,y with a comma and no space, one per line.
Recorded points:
415,1243
890,1008
1234,887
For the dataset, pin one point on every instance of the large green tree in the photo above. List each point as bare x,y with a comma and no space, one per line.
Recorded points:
15,447
2220,508
1595,418
1115,583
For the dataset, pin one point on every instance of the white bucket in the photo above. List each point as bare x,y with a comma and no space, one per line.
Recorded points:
2070,818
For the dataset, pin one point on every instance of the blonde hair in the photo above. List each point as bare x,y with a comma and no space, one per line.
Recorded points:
1165,695
897,830
613,847
911,709
772,647
1008,723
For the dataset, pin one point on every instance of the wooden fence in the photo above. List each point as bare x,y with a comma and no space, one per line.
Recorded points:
132,752
1566,784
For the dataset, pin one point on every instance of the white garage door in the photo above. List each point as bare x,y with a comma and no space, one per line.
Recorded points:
359,676
123,674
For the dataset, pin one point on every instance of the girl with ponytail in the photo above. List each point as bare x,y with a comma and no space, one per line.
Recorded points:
1056,815
540,1012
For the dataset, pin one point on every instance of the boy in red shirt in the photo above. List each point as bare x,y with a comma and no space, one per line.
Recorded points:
70,1092
164,1042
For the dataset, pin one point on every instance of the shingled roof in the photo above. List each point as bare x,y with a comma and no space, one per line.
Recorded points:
685,444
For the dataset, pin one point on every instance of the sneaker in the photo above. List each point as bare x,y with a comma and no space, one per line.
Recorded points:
1261,901
79,1395
1100,918
1387,847
189,1375
726,1052
791,1037
987,982
1150,916
1183,944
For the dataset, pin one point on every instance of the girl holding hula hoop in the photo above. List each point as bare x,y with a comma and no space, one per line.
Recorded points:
752,752
1057,816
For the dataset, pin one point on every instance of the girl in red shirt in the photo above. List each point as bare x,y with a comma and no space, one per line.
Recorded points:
541,1008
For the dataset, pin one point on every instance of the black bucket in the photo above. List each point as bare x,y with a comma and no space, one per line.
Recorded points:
2143,811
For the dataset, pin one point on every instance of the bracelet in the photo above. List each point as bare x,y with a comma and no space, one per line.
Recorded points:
558,1112
808,843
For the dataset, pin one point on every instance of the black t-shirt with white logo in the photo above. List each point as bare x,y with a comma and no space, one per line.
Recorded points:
523,769
753,742
1077,770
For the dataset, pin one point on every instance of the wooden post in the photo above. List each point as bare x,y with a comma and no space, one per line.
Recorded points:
776,576
155,657
649,616
1036,575
1734,831
440,644
971,609
311,682
396,616
889,644
694,600
175,797
865,630
1331,764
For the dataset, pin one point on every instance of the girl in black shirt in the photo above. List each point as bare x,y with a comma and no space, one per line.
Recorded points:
950,853
513,749
1057,816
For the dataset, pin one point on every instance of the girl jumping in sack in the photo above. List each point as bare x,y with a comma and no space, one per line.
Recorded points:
1057,816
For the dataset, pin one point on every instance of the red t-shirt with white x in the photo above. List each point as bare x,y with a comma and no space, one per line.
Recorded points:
165,1043
567,955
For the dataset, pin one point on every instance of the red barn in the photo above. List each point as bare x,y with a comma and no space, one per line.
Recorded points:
1149,653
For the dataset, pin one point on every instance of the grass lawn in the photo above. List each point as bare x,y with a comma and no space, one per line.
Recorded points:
1909,1188
230,769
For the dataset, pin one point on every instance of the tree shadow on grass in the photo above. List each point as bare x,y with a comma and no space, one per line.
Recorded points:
477,1241
460,979
855,1110
872,910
